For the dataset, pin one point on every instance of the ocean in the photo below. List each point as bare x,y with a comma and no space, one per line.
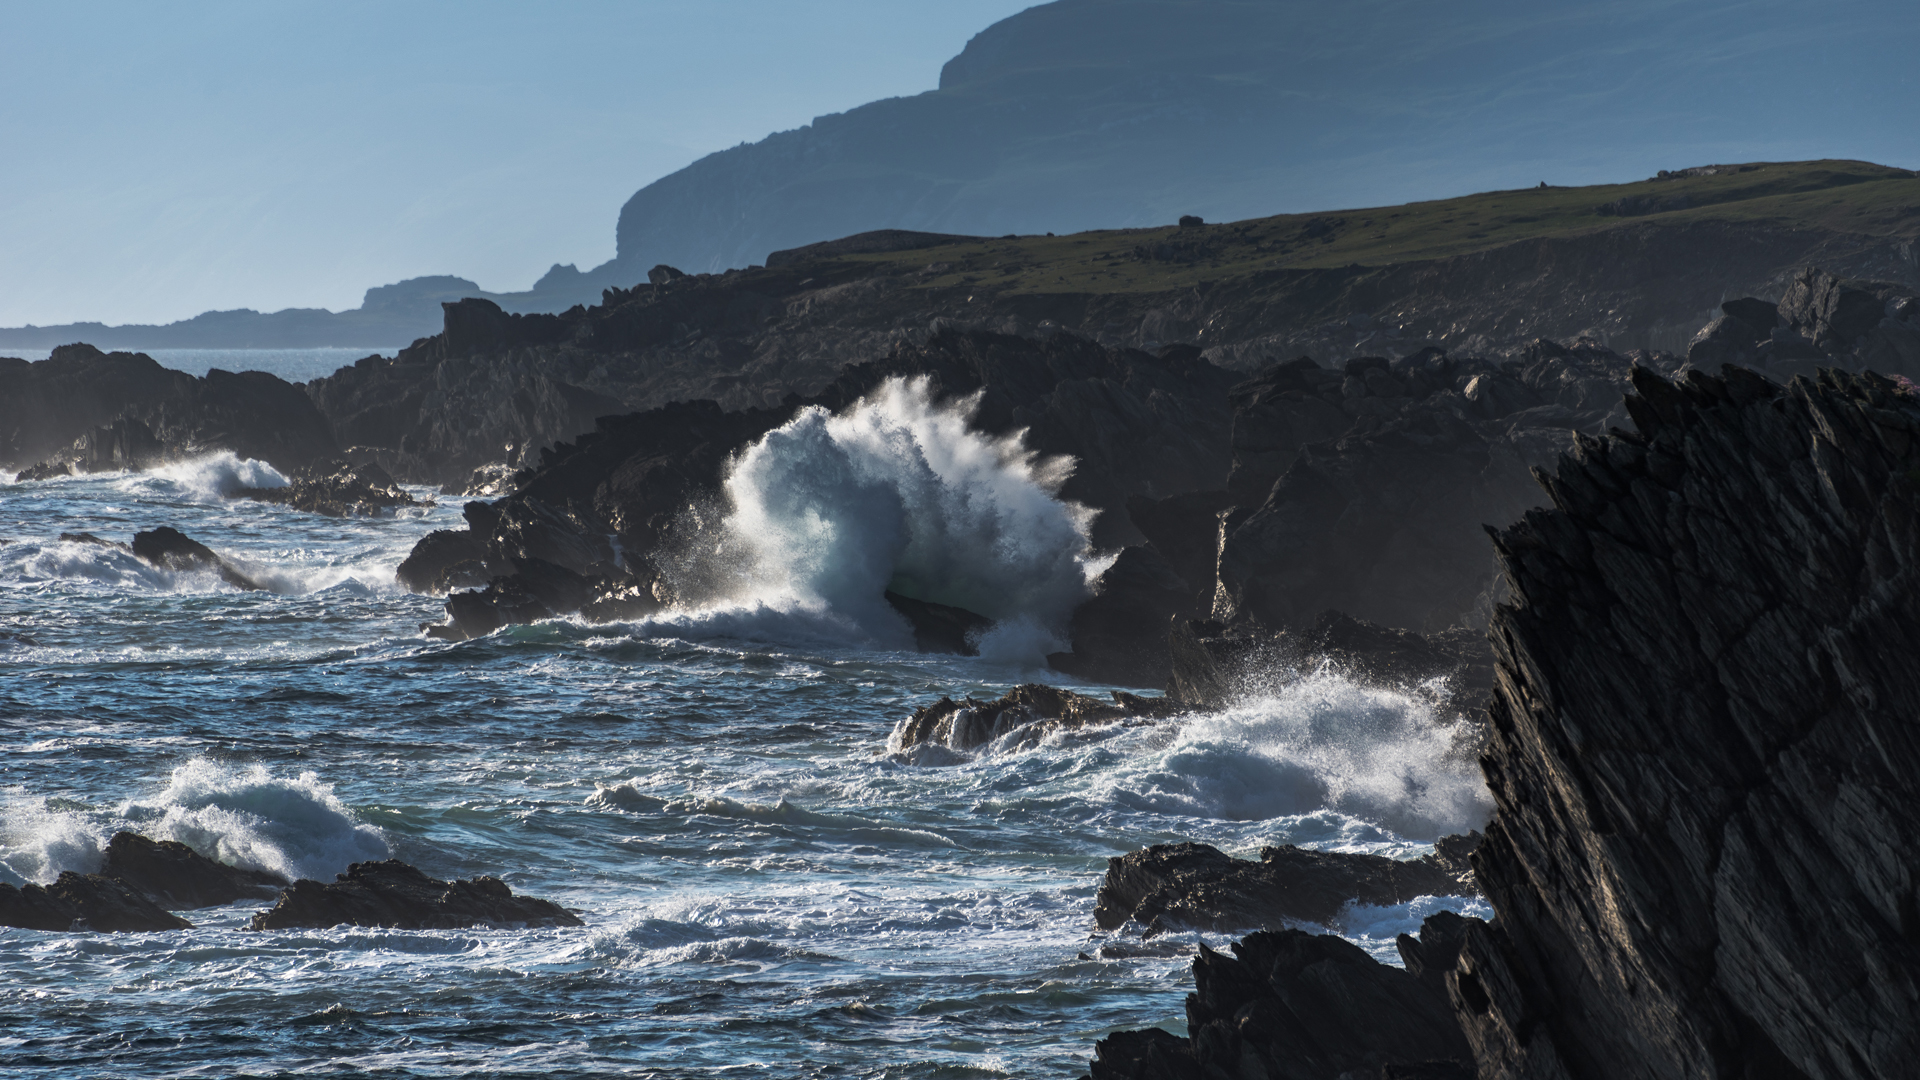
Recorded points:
769,888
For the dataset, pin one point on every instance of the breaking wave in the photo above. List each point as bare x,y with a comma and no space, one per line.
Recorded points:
828,513
214,476
1323,742
245,817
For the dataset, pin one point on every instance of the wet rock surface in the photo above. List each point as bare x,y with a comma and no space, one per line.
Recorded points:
84,902
175,876
170,549
1191,886
1031,710
390,893
336,489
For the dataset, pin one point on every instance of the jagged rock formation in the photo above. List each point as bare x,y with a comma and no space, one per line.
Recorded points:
1190,886
123,410
170,549
83,902
1701,750
1820,321
391,893
175,876
1030,712
1290,1004
336,489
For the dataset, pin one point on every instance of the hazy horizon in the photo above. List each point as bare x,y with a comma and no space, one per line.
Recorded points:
235,156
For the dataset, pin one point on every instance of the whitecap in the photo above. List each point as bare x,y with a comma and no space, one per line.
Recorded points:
295,827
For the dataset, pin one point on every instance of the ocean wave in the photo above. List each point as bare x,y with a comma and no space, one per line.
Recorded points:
295,827
204,479
115,566
828,513
1323,742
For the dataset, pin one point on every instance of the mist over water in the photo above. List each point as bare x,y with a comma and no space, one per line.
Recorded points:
764,885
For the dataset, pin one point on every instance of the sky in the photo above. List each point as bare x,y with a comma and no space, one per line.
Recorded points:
160,160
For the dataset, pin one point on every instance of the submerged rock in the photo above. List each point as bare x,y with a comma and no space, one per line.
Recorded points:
391,893
1032,710
1292,1004
83,902
1198,887
336,489
176,876
170,549
45,470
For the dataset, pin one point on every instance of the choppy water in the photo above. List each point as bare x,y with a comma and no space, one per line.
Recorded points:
766,891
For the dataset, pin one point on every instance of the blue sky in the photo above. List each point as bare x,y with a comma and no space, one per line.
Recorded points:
166,159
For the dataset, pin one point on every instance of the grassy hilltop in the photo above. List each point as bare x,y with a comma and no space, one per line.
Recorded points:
1848,197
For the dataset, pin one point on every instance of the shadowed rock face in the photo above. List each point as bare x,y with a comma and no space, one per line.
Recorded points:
173,874
170,549
1703,750
336,489
84,902
1290,1004
123,410
391,893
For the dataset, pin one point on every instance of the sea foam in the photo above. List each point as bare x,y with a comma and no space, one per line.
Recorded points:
827,513
247,817
1378,754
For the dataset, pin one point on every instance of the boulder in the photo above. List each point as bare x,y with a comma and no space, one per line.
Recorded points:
83,902
1833,313
1032,710
391,893
176,876
45,470
1190,886
336,489
170,549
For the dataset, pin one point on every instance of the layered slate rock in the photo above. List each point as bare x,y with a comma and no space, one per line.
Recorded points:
1292,1004
176,876
1703,750
83,902
1191,886
391,893
336,489
170,549
1029,711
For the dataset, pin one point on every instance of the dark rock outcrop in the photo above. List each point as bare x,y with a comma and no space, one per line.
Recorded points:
1702,749
123,410
1191,886
83,902
45,470
1031,710
940,627
1291,1004
336,489
170,549
391,893
176,876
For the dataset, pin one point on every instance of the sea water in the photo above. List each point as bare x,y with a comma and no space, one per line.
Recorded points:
768,890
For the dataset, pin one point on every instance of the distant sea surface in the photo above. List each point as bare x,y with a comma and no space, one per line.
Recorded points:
293,365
